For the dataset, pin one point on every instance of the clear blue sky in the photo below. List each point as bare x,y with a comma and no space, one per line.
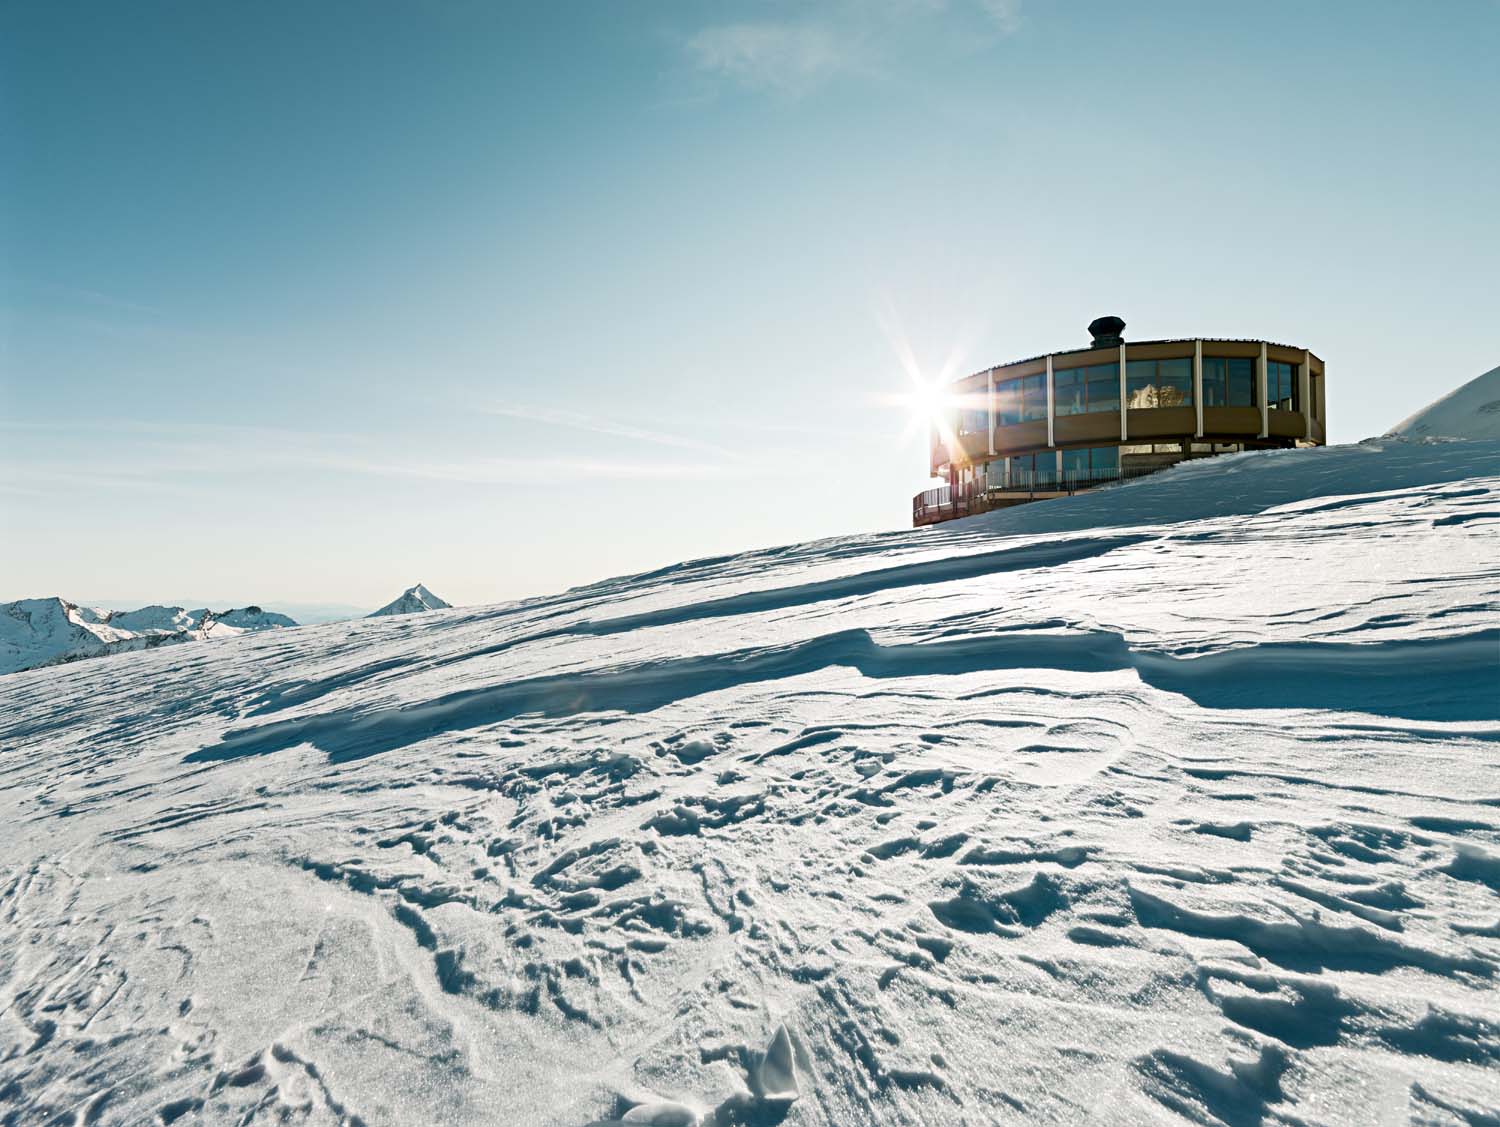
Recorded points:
311,301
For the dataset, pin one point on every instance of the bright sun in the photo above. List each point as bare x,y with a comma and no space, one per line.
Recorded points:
928,403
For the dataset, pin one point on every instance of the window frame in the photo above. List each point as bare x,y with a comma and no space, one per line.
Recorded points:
1085,377
1014,400
1133,382
1292,373
968,415
1094,463
1228,380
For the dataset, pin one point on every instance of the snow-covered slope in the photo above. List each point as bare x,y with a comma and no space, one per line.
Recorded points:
37,632
1171,803
413,600
1471,411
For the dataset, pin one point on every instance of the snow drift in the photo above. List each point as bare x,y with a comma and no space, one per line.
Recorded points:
1470,411
1177,802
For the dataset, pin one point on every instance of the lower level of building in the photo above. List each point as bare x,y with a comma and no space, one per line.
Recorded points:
1017,479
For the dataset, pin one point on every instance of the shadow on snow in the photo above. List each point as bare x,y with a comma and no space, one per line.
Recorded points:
1446,679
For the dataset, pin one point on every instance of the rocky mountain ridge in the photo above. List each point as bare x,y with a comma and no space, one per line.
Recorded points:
52,631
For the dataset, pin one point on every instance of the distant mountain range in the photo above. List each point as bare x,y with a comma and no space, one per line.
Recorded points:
37,632
51,631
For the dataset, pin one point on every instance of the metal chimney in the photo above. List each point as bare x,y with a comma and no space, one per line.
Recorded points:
1106,332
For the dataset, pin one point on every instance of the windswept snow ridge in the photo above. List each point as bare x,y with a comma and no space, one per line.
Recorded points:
37,632
1471,411
413,600
1172,803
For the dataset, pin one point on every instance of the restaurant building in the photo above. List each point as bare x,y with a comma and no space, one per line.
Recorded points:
1052,425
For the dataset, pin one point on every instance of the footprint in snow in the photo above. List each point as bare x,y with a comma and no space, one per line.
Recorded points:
770,1076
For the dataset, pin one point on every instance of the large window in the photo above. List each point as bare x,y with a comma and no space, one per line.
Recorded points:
1092,464
1070,392
1031,470
1281,386
1228,381
973,420
1034,397
1081,391
1159,383
1021,400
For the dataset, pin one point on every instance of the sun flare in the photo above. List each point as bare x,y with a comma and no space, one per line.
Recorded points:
929,405
927,402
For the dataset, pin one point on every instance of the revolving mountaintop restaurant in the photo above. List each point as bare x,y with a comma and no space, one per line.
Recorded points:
1055,424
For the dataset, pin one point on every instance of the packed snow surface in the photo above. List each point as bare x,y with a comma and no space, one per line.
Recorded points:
36,632
1470,411
413,600
1177,802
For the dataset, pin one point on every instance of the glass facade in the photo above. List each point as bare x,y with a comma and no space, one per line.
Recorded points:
1159,383
1031,470
1228,381
1281,386
1034,397
1070,392
973,420
1021,400
1147,443
1095,463
1082,391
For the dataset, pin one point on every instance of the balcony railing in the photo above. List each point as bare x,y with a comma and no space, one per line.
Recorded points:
945,503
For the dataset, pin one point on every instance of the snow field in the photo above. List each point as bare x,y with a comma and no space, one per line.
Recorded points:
1177,802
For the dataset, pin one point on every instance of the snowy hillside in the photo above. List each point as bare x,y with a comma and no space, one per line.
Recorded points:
1171,803
37,632
1471,411
413,600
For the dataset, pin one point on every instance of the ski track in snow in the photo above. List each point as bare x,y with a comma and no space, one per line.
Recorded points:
1178,802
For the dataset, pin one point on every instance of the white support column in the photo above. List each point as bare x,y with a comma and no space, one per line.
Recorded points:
992,409
1124,428
1198,383
1051,405
1304,394
1260,380
1321,395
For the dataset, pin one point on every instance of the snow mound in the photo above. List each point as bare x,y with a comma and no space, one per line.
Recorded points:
38,632
414,600
1176,802
1470,411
